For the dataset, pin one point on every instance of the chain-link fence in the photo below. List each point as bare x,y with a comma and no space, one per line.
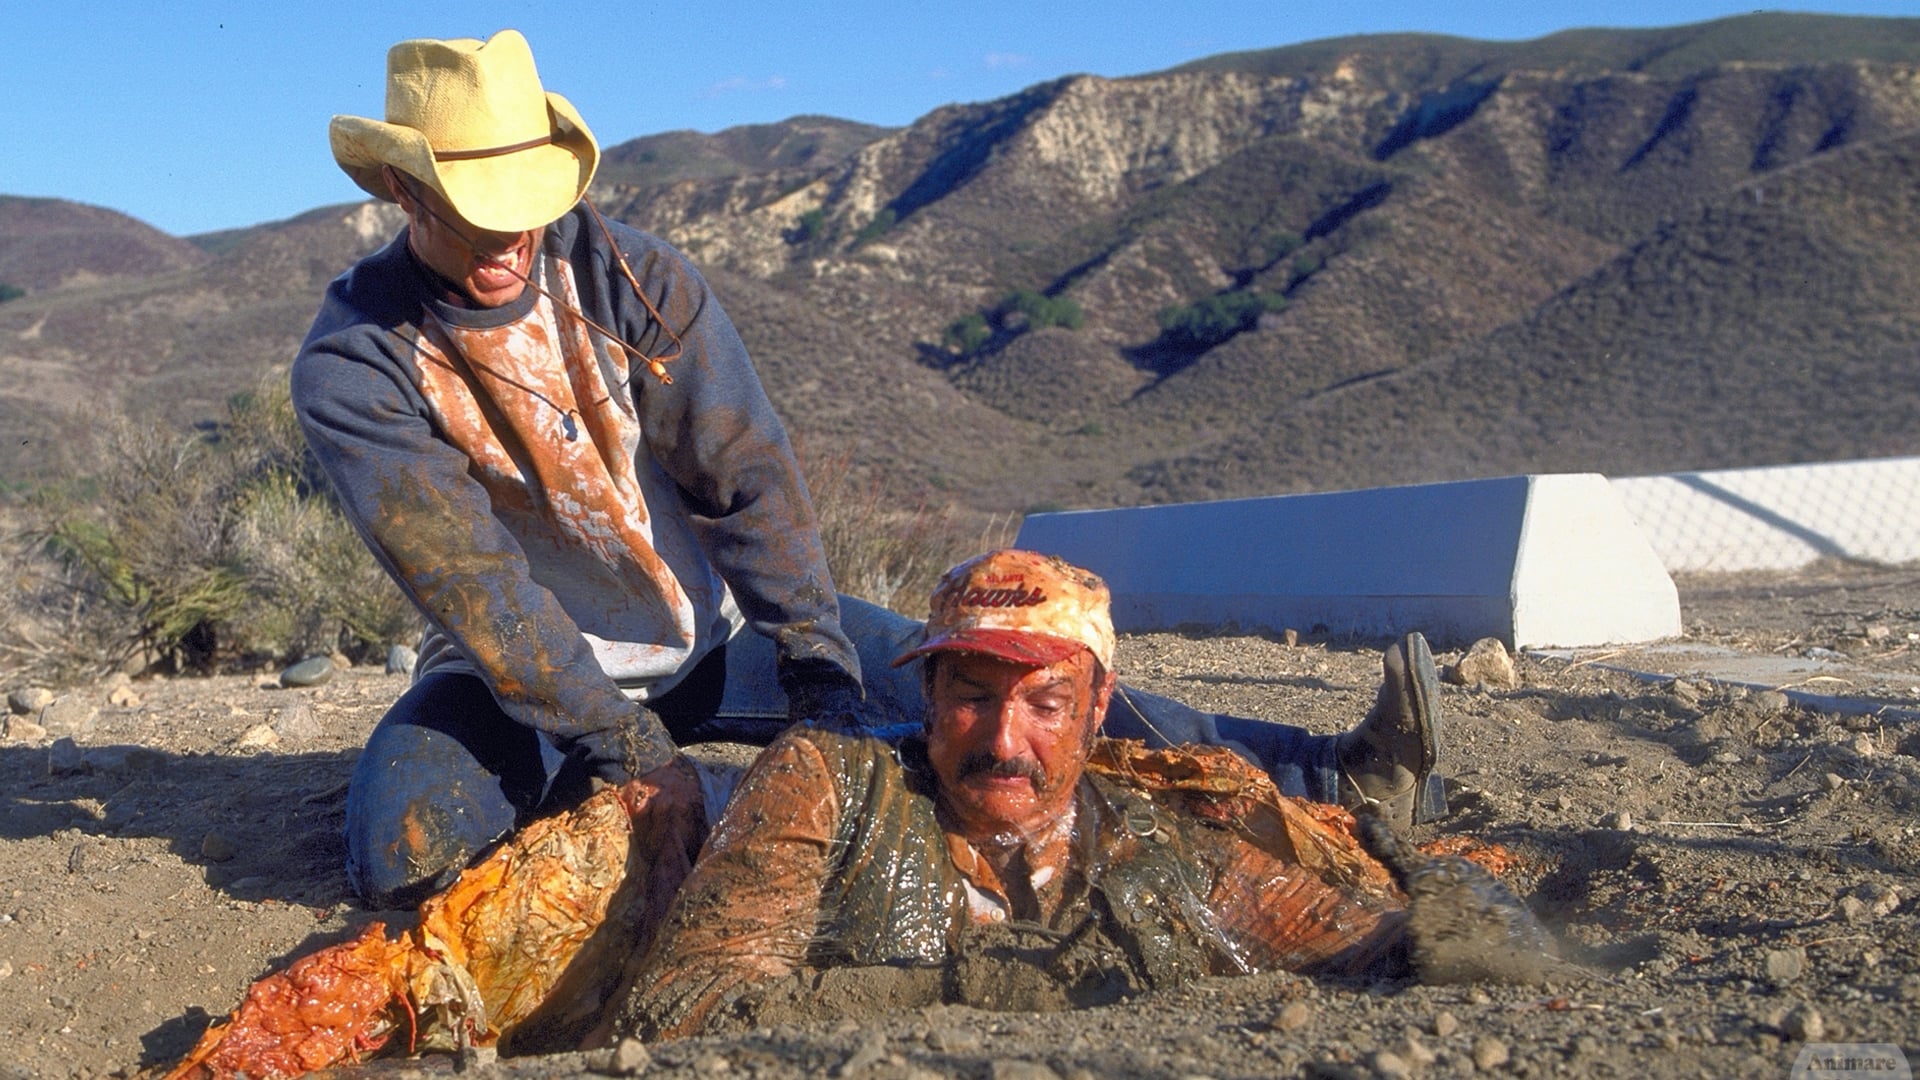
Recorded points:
1780,517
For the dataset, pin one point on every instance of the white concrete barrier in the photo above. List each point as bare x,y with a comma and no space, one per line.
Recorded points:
1780,517
1533,560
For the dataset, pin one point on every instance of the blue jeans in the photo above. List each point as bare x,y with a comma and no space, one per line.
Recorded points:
446,772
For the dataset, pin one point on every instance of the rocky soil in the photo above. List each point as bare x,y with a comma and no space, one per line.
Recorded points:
1732,876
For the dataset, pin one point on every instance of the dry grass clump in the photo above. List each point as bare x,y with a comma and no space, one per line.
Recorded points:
886,554
193,552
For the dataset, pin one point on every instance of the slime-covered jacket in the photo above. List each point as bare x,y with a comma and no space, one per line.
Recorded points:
578,532
833,853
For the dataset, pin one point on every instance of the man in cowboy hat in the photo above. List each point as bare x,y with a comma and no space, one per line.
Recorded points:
548,432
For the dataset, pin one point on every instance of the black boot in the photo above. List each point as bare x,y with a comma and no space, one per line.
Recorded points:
1386,764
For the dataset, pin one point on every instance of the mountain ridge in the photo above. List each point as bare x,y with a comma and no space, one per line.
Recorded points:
1367,244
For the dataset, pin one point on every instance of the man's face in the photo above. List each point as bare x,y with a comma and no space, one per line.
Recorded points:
489,267
1008,741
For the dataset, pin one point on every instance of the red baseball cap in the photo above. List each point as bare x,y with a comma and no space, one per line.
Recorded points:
1020,606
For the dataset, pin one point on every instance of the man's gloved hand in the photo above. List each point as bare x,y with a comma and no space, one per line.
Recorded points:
822,695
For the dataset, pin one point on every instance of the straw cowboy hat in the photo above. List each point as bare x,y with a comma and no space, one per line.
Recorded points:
471,121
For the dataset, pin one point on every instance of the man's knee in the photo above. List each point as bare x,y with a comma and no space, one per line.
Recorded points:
406,842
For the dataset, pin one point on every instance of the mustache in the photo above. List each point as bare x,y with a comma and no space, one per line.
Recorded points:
982,763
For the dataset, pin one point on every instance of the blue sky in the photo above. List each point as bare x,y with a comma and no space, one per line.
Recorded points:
198,115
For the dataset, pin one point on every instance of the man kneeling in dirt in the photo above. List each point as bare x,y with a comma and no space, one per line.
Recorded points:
1012,837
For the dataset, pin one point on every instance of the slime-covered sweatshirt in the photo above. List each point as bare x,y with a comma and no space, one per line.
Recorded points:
578,532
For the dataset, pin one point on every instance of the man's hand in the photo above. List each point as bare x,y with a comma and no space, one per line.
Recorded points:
825,697
673,786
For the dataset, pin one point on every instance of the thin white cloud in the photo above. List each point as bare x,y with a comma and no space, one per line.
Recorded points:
1007,60
742,85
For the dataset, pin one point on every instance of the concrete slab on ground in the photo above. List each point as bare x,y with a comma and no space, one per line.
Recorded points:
1830,683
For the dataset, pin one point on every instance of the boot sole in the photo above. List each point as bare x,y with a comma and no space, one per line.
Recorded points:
1423,685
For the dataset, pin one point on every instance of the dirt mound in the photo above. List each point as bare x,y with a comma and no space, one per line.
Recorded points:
1730,876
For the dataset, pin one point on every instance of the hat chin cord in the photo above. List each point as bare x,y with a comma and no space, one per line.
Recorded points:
655,364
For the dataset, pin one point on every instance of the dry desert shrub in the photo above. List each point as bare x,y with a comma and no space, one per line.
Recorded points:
195,551
883,552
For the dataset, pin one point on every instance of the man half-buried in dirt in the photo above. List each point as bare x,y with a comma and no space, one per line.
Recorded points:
1009,857
1014,858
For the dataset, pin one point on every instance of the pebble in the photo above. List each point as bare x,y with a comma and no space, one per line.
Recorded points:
1863,745
400,660
21,729
29,700
1445,1024
313,671
1880,899
870,1052
1803,1023
1833,781
1390,1066
630,1058
216,847
1416,1053
123,697
297,723
69,715
1621,820
1489,1053
1853,909
1292,1016
712,1064
1487,662
1785,965
1770,702
64,758
1726,757
258,737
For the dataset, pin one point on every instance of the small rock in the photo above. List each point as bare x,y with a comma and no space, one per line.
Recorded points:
297,723
1863,745
1292,1016
69,715
1417,1053
258,737
871,1051
123,697
1785,965
120,760
65,758
630,1058
1726,757
1487,661
712,1065
1770,702
1684,692
1489,1053
216,847
1445,1024
341,661
313,671
1621,820
1804,1024
1853,909
29,700
1833,781
400,660
1880,899
1390,1066
21,729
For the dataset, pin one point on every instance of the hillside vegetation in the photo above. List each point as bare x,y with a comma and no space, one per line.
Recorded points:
1365,260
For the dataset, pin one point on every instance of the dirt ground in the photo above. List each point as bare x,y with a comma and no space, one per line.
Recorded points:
1732,876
